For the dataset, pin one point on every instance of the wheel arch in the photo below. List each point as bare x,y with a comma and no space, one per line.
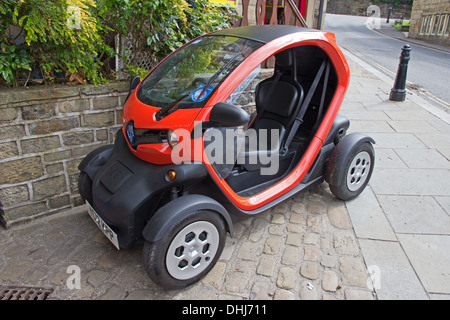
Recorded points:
179,208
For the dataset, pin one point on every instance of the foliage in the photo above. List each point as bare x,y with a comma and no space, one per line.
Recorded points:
396,2
75,38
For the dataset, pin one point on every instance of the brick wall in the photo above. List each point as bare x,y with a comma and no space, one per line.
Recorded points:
44,134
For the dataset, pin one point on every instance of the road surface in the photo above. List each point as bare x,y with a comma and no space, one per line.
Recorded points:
428,70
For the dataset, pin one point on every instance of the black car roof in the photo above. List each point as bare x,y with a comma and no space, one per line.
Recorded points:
261,33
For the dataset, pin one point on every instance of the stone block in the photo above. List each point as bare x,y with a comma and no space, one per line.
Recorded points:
8,115
77,105
330,281
54,125
8,149
25,211
106,103
49,187
21,170
76,138
286,278
14,195
38,111
57,156
37,145
99,120
12,132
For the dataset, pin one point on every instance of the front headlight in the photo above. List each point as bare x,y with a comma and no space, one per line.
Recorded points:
172,138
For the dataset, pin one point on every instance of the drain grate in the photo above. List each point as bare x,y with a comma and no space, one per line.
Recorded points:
23,293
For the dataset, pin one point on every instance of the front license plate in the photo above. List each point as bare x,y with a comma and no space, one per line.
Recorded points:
107,231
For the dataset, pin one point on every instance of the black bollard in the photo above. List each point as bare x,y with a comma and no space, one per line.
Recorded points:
398,92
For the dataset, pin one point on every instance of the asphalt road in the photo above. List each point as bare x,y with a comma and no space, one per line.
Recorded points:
428,70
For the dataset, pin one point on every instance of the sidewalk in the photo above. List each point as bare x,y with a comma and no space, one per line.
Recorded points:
402,221
311,246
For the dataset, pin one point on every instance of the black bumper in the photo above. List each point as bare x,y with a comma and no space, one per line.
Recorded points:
126,191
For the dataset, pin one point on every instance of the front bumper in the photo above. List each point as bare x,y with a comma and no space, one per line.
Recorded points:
126,191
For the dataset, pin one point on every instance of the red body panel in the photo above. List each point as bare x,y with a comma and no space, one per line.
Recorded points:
144,115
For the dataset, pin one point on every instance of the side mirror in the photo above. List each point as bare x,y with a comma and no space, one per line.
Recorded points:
228,115
134,83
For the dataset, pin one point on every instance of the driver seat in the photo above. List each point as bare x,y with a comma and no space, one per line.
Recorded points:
277,100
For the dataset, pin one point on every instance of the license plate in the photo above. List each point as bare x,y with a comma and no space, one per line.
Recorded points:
107,231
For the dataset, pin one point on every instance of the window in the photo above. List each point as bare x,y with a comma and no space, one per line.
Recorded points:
435,24
423,25
429,25
186,78
447,28
441,24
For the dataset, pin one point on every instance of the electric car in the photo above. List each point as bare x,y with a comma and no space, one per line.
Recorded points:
225,127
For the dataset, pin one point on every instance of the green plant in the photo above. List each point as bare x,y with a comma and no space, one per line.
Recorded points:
14,60
75,39
159,27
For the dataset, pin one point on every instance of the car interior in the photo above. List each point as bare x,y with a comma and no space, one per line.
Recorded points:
293,101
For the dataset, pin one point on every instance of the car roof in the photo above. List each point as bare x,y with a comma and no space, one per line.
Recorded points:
261,33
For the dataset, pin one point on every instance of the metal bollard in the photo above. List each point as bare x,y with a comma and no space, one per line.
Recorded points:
398,92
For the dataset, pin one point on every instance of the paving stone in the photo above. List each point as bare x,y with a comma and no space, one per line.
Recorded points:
353,271
430,257
308,291
260,291
339,217
215,276
345,243
266,266
281,294
310,270
290,256
294,239
272,245
415,214
330,281
286,278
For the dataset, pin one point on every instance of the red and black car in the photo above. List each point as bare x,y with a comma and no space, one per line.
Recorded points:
227,126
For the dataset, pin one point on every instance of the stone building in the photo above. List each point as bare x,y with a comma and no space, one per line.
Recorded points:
430,21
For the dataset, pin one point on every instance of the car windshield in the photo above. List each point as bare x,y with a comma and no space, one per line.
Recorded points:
188,77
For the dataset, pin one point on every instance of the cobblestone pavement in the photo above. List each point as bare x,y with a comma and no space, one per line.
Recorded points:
303,248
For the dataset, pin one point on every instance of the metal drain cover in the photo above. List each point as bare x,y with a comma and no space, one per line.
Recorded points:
23,293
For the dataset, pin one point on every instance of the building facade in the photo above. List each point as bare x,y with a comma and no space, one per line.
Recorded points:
255,12
430,21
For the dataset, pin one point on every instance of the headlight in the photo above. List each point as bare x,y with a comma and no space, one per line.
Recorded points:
172,138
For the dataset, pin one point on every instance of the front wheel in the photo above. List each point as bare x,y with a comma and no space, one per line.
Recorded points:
356,170
187,252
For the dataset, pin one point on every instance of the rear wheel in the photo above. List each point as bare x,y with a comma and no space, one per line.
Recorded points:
356,170
187,252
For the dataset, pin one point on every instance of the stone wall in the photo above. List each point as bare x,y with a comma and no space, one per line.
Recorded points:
359,8
44,134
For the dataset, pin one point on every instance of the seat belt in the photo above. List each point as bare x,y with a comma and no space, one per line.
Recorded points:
322,99
299,118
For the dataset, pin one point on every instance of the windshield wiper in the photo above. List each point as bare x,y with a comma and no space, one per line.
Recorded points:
214,77
161,114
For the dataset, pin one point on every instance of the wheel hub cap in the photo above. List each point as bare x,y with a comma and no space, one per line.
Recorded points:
192,250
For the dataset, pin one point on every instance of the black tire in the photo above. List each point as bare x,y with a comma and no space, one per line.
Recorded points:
196,253
355,171
85,186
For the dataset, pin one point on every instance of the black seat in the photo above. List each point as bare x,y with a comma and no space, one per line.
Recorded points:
277,99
